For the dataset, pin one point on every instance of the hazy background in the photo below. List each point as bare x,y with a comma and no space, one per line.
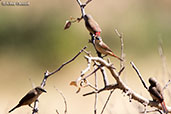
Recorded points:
32,40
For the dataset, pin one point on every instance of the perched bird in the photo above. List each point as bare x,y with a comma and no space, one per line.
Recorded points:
103,48
156,93
30,97
92,25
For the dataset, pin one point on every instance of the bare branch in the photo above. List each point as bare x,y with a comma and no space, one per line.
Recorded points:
163,58
109,87
107,101
96,94
122,48
105,79
32,83
155,110
65,112
67,62
48,74
137,71
122,69
166,85
82,6
122,86
95,70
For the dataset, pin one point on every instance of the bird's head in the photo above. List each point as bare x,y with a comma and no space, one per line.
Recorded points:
152,81
98,38
87,17
40,89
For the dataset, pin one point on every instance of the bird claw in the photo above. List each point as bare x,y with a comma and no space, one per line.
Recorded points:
35,110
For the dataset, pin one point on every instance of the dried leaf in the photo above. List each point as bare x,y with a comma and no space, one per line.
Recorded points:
74,83
67,24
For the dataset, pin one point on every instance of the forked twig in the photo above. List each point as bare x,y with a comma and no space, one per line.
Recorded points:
48,74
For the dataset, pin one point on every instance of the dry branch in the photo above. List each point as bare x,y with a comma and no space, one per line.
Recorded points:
65,102
107,101
48,74
82,6
120,35
139,74
122,86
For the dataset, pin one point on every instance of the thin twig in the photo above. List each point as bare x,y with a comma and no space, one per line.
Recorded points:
65,112
166,85
107,101
95,70
96,94
32,84
68,61
121,65
109,87
163,58
122,69
137,71
155,110
120,35
48,74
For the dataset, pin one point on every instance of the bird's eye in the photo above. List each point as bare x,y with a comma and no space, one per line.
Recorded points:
97,38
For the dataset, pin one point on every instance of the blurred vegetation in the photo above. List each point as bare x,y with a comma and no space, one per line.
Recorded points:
37,30
32,40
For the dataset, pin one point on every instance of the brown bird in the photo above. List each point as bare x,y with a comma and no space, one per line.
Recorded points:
103,48
30,97
156,93
92,25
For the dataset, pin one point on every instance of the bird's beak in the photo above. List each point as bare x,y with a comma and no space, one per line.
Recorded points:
44,90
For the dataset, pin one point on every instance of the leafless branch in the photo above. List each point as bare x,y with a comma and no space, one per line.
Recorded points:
57,111
155,110
120,35
121,66
122,69
48,74
95,70
139,74
105,79
65,112
166,85
122,86
163,58
32,83
107,101
109,87
96,94
67,62
82,6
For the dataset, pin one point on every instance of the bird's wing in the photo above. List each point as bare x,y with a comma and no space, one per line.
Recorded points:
94,25
104,46
156,94
28,96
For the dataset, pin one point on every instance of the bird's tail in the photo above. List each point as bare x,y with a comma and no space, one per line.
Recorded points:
164,107
116,56
14,108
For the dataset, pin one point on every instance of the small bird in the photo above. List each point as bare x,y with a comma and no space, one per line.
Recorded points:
103,48
156,93
92,25
30,97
